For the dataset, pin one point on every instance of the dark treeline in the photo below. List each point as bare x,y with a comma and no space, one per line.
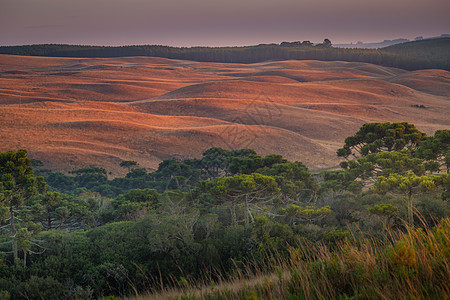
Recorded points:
83,236
171,174
412,56
437,50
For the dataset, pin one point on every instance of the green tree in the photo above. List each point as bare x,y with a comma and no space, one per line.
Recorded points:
89,208
294,180
436,150
326,43
246,188
17,185
295,213
217,161
128,164
410,184
50,201
128,204
377,137
385,212
370,167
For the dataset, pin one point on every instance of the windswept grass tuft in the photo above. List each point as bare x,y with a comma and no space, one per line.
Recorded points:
412,265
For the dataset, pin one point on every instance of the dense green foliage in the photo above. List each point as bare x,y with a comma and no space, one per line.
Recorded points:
17,185
377,137
424,54
436,151
175,174
225,214
413,265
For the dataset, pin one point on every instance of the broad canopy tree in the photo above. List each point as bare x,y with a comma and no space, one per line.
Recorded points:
436,150
377,137
295,213
294,179
411,184
244,188
367,169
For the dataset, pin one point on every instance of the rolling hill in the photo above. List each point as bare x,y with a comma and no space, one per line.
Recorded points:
74,112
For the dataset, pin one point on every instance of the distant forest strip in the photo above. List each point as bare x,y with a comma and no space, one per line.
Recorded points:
425,54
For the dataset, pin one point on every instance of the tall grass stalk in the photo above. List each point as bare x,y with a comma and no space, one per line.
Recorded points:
412,264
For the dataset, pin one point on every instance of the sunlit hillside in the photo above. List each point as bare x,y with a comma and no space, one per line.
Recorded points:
73,112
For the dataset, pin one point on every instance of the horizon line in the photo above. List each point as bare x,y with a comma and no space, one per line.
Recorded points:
444,35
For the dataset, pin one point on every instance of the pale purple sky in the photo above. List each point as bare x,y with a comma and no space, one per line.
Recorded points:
218,22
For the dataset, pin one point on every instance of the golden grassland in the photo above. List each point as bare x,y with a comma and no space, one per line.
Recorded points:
71,112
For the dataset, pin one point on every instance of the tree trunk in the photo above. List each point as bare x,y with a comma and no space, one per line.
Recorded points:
233,213
410,213
49,221
13,233
247,212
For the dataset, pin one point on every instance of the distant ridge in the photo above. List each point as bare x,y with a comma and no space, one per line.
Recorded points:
386,43
374,45
438,48
422,54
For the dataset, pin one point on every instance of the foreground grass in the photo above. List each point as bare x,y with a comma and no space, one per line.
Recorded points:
411,265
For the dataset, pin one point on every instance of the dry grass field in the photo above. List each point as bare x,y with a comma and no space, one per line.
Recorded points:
71,112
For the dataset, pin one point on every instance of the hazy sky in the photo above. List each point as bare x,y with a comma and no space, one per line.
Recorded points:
218,22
